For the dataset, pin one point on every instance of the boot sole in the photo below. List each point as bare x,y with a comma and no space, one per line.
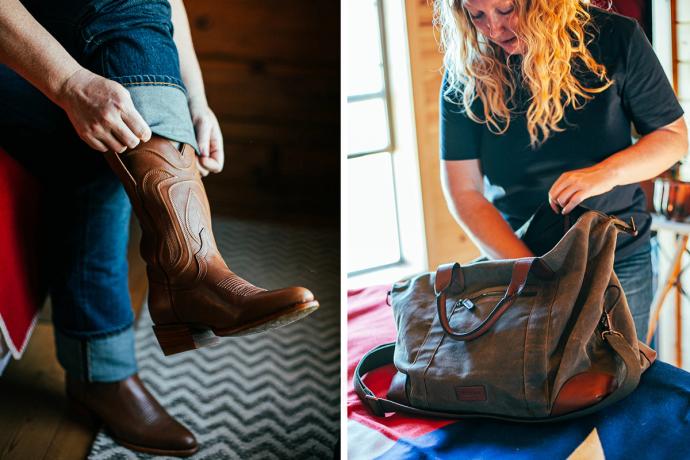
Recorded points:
149,450
178,338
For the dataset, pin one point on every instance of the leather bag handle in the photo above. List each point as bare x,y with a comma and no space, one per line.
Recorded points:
447,274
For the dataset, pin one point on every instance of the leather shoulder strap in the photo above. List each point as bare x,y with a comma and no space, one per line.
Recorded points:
383,355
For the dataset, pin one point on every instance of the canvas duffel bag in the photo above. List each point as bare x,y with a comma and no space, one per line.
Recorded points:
535,339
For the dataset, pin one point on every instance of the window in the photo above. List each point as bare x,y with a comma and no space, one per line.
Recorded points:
384,230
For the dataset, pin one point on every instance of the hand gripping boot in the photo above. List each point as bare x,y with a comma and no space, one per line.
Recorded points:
191,290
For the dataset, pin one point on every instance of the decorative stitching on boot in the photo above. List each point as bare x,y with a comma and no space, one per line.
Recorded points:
239,286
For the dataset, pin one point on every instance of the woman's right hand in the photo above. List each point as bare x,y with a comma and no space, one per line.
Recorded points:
102,112
463,186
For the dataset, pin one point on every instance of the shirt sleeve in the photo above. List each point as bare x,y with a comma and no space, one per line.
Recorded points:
459,136
648,97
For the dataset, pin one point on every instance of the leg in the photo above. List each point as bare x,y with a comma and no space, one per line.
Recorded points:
635,275
91,306
88,235
88,273
192,291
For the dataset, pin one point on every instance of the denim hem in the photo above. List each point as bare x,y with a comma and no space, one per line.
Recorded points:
166,110
152,80
106,359
103,334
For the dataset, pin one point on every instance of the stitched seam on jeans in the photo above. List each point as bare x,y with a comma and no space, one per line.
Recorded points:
76,335
152,84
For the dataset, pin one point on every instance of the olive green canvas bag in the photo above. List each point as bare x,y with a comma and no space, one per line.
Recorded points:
535,339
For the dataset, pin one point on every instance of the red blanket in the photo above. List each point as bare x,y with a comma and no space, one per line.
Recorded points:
20,293
370,323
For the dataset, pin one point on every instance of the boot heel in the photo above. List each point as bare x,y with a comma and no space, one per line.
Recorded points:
176,338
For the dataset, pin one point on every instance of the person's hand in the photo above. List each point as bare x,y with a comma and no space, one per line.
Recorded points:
102,112
573,187
209,138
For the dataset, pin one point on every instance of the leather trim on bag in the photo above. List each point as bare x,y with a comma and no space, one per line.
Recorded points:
444,277
397,391
471,393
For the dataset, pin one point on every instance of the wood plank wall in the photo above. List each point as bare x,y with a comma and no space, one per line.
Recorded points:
272,76
446,241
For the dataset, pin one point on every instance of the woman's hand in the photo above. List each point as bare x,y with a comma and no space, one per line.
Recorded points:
209,138
573,187
102,112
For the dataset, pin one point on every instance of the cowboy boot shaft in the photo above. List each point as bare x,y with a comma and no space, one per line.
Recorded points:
191,289
170,201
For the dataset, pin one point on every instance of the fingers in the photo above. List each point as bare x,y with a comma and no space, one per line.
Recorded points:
202,170
102,112
210,164
203,127
573,201
136,124
555,206
95,144
565,194
112,143
125,135
216,144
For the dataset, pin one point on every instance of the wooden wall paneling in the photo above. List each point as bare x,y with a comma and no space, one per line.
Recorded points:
280,179
445,239
271,91
302,31
283,132
271,71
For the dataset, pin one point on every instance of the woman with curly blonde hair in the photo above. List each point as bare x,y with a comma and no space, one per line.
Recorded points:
536,105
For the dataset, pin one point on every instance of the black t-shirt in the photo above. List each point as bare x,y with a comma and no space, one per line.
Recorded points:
518,178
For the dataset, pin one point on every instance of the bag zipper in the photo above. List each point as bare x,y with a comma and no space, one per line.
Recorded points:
469,303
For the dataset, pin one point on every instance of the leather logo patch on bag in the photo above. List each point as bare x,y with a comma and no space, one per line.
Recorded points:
474,393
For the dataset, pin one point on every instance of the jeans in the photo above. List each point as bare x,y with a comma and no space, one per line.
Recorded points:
636,277
129,41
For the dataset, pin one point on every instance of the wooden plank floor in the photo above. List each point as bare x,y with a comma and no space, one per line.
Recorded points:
36,421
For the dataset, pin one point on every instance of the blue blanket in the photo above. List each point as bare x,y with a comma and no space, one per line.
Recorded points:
651,423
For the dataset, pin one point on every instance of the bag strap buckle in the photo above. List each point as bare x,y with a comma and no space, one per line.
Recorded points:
629,228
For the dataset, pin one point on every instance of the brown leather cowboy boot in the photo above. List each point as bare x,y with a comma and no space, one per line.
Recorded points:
132,416
191,289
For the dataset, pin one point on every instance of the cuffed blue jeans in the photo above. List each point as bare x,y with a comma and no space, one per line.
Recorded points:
636,277
128,41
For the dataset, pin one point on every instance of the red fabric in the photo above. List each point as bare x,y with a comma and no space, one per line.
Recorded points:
370,323
19,285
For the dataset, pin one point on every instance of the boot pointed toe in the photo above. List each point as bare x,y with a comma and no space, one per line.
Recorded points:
133,416
284,298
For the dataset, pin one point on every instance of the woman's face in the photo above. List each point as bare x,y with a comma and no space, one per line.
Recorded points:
497,21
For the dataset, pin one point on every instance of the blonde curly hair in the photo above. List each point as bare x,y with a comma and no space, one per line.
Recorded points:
555,38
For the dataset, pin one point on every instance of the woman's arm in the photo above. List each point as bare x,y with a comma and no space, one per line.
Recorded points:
463,188
653,154
208,134
101,110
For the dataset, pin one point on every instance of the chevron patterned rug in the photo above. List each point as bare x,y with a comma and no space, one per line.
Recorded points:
274,395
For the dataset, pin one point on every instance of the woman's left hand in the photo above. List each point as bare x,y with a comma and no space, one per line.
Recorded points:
209,138
573,187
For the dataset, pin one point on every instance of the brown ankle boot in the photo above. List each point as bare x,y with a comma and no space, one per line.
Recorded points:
132,416
191,289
